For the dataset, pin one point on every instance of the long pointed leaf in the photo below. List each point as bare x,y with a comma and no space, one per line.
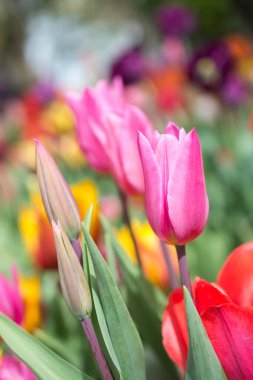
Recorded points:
202,362
98,317
42,361
123,333
144,300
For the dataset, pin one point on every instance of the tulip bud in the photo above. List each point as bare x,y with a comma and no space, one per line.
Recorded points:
175,191
58,200
74,285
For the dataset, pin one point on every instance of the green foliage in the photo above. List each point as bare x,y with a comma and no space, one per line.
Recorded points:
202,361
144,299
42,361
123,333
98,317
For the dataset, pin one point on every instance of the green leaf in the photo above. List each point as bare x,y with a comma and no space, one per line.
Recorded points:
42,361
153,296
123,333
144,300
98,317
202,362
111,260
100,324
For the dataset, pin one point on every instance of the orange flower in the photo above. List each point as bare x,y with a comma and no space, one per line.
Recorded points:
238,46
150,251
168,83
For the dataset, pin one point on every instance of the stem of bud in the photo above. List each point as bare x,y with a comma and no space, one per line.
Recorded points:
96,349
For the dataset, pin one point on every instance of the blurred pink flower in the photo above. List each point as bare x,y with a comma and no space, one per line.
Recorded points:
175,191
174,51
11,368
107,127
110,207
11,303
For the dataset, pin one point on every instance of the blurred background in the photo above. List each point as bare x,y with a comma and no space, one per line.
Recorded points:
190,62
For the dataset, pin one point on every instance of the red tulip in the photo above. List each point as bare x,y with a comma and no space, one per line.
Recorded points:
228,324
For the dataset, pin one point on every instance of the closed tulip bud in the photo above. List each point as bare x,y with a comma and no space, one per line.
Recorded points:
74,285
58,200
175,192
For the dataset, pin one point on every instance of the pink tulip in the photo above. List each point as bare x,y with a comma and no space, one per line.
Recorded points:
11,303
176,200
107,127
11,368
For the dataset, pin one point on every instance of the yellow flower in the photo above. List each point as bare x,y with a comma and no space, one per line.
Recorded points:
69,151
36,230
58,117
30,289
150,251
85,194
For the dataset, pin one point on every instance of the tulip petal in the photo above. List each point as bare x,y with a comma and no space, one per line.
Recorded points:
174,329
172,129
187,199
236,275
174,325
230,330
133,122
11,301
153,184
114,124
91,136
208,295
165,152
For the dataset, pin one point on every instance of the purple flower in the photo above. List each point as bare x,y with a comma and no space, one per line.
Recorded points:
130,66
175,20
210,66
233,90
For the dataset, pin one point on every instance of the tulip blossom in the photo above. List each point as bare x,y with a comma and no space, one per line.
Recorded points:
175,193
11,368
226,310
20,300
107,127
11,303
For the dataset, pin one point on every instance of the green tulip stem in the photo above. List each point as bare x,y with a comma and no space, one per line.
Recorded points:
126,218
183,267
96,349
170,270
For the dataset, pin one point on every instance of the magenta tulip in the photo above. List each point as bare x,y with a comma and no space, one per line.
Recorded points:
175,192
11,368
11,302
107,127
